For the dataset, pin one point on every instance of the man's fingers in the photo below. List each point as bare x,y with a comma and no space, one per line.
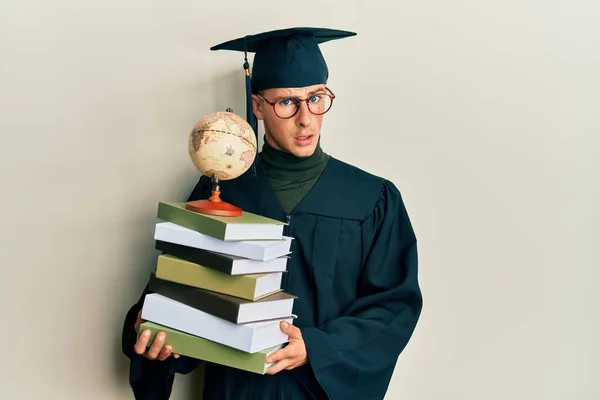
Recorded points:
157,350
165,353
292,331
291,351
279,355
142,342
279,366
157,346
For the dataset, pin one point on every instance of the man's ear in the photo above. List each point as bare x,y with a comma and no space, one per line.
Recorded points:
256,107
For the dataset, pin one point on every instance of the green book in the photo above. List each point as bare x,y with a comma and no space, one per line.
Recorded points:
203,349
247,226
250,287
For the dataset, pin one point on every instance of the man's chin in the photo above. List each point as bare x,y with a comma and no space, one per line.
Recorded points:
303,152
304,148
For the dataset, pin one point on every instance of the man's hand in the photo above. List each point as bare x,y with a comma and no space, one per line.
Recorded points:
157,350
293,355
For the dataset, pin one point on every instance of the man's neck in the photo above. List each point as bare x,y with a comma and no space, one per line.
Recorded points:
281,165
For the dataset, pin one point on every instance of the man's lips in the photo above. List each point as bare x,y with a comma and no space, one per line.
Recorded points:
303,140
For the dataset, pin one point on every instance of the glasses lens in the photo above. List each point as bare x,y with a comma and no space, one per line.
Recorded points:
319,103
286,108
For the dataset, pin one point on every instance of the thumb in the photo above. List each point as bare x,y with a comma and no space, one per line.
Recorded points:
289,329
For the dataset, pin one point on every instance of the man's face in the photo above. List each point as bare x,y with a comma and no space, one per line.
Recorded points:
298,135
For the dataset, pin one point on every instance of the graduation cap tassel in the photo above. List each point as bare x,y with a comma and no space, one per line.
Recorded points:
250,117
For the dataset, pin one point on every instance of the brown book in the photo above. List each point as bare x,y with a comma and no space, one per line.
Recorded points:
230,308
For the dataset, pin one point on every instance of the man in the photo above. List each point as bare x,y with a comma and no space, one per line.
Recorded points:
354,254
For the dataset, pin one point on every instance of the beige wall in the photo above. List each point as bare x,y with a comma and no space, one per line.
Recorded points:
485,114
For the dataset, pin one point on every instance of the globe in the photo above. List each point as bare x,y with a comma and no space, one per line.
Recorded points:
222,144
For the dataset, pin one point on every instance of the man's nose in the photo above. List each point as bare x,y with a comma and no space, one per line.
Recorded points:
304,116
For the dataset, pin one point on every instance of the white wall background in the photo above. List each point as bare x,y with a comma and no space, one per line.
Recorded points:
485,113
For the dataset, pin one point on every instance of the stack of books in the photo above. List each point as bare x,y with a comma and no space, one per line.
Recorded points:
216,290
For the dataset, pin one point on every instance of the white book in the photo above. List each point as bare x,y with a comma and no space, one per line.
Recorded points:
246,266
250,338
262,250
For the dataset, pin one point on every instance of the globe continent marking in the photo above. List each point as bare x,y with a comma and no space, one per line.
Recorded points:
222,143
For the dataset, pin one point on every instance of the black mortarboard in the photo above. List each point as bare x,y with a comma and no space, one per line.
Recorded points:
283,58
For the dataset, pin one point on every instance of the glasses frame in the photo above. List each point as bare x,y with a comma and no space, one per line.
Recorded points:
296,100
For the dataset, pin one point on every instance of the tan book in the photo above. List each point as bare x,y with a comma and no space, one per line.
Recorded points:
203,349
250,287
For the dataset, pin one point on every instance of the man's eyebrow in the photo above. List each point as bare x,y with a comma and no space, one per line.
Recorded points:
321,90
284,96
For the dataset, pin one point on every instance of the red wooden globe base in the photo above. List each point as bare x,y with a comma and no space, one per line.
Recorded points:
214,206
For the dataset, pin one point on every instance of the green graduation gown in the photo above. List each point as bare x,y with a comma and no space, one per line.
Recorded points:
354,269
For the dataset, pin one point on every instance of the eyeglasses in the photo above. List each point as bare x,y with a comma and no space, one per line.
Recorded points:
318,104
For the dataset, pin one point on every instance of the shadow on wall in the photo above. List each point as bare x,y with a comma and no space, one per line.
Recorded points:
229,91
195,383
185,102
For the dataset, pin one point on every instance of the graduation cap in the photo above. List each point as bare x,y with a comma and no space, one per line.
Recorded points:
284,58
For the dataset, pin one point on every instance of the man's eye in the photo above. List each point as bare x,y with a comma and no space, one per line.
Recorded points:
316,98
286,102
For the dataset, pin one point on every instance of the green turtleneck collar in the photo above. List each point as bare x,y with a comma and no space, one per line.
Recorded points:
285,166
292,177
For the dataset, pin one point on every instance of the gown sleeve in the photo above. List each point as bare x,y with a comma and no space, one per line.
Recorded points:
153,379
150,379
354,355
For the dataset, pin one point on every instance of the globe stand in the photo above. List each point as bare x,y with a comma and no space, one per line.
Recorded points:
214,205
